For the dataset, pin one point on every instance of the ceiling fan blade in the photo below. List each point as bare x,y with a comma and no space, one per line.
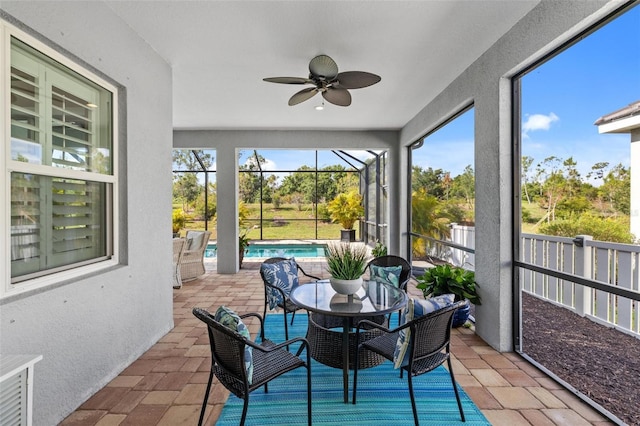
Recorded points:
323,66
288,80
355,80
340,97
303,95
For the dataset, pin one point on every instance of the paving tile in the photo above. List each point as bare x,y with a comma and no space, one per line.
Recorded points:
125,381
517,377
467,380
504,417
578,405
180,415
488,377
191,394
565,417
160,397
474,363
547,398
111,420
139,367
482,398
498,361
173,381
145,415
536,418
169,364
515,398
104,399
129,402
83,418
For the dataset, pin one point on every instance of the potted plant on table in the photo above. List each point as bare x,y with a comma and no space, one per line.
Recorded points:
345,209
346,263
445,279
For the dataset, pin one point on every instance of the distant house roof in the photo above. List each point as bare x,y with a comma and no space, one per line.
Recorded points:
609,123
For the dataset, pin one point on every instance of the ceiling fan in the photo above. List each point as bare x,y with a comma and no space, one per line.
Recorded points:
324,75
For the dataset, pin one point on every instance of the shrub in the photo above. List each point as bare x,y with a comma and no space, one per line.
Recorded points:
612,229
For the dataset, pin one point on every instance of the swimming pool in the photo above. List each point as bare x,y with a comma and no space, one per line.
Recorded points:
275,250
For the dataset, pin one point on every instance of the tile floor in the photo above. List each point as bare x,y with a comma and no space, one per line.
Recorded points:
165,386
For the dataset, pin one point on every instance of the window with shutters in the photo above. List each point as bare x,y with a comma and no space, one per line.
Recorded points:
60,166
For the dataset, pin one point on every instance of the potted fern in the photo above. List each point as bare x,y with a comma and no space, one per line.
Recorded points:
445,279
346,263
346,209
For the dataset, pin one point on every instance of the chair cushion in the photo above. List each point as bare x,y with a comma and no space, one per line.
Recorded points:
231,320
386,274
284,275
195,240
415,309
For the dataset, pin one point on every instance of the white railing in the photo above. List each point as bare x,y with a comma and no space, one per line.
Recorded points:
613,264
463,236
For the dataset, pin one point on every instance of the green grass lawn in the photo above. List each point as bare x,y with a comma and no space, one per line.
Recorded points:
289,222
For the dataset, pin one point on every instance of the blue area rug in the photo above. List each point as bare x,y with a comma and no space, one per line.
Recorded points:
383,397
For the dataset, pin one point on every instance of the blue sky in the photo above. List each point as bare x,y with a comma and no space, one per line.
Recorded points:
561,99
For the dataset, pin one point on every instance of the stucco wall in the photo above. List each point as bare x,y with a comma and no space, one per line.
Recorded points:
92,328
486,83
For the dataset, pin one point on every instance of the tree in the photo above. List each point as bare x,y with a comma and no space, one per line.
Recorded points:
186,159
526,163
186,189
432,181
464,185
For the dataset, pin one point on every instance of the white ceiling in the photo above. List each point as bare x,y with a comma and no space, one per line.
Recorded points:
221,50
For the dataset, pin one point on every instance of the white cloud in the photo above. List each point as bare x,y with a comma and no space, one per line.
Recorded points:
538,122
269,165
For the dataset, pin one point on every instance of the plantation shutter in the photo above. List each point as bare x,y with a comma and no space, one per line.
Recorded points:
55,220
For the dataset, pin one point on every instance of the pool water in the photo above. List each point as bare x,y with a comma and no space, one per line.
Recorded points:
275,250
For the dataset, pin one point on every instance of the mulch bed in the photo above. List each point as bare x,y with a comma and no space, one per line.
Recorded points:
599,361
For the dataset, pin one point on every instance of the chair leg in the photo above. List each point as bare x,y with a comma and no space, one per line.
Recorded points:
413,399
244,410
206,397
286,328
455,389
293,317
355,373
309,394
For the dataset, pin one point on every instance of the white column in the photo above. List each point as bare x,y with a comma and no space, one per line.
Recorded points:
227,211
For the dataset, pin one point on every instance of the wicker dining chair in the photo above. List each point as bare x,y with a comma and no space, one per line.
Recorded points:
192,262
286,305
428,348
390,261
268,359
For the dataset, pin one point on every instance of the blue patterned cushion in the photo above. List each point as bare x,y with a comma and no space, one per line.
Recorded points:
415,309
230,319
284,275
386,274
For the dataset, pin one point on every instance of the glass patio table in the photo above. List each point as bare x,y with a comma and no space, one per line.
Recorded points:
329,309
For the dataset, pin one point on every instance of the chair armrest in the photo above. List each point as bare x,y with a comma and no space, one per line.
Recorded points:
253,314
307,275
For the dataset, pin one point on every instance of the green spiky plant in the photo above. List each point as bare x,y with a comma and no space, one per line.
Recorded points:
346,261
444,279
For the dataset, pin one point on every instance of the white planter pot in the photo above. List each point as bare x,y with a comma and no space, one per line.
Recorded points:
345,286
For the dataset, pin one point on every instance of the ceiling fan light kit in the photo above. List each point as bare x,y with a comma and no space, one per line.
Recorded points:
324,76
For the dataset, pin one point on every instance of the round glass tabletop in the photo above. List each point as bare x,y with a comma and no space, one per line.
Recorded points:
373,298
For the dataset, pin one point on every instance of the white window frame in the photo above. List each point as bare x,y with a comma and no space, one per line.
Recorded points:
7,288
